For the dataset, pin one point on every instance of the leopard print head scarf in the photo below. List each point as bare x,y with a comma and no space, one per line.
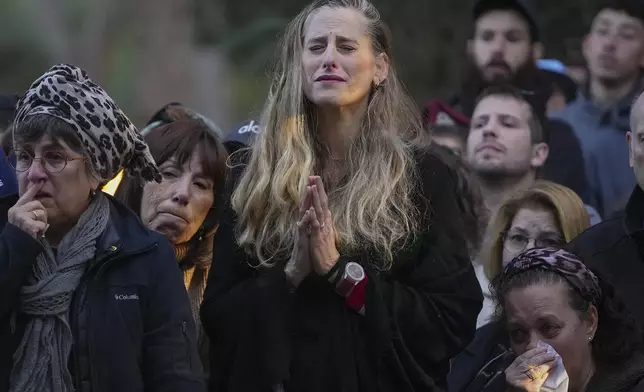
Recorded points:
561,262
111,141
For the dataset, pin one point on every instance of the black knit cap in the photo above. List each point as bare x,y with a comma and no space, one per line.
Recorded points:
524,7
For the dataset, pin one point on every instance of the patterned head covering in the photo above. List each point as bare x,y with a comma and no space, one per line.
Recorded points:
111,140
561,262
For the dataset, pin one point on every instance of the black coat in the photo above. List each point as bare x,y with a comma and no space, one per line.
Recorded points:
418,315
130,316
565,163
481,366
615,248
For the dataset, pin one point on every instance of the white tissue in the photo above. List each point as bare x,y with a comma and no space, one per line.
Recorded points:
557,378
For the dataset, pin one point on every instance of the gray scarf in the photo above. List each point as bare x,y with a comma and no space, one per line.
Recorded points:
40,362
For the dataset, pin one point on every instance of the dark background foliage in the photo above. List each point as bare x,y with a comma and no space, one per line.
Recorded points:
141,52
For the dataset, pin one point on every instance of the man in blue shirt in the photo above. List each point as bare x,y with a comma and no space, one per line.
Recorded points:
614,51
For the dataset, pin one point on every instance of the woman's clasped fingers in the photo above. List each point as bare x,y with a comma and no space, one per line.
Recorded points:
306,201
320,202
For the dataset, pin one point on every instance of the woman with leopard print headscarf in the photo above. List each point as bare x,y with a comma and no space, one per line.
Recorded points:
90,299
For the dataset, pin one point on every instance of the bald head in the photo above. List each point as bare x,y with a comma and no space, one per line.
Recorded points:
637,113
635,139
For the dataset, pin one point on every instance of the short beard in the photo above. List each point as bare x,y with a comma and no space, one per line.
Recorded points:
617,82
499,178
527,78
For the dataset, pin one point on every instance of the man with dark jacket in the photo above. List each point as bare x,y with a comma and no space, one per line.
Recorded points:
616,246
503,50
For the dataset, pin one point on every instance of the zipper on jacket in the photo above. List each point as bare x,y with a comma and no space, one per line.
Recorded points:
184,330
110,257
77,301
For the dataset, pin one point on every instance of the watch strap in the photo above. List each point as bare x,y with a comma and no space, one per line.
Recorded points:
336,272
356,298
353,274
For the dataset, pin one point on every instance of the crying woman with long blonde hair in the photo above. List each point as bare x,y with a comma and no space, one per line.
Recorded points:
340,260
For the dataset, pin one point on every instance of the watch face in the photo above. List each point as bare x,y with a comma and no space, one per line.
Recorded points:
354,272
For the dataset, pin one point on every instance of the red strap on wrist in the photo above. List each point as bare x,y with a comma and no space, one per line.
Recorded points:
356,299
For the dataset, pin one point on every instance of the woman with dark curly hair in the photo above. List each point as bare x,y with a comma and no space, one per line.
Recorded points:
559,313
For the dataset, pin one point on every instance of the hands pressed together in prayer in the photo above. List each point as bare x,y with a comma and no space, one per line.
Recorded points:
314,248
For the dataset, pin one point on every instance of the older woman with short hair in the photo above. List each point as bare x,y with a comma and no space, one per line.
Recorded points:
183,207
90,299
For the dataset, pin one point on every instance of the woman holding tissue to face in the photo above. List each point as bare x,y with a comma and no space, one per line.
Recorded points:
567,330
340,260
90,299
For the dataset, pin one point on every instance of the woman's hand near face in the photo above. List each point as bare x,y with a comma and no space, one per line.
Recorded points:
530,370
28,214
324,253
299,266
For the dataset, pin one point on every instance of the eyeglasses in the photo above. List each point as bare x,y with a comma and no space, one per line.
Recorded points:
516,243
52,161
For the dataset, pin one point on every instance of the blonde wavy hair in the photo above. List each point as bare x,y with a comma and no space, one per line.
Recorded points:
373,207
568,209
